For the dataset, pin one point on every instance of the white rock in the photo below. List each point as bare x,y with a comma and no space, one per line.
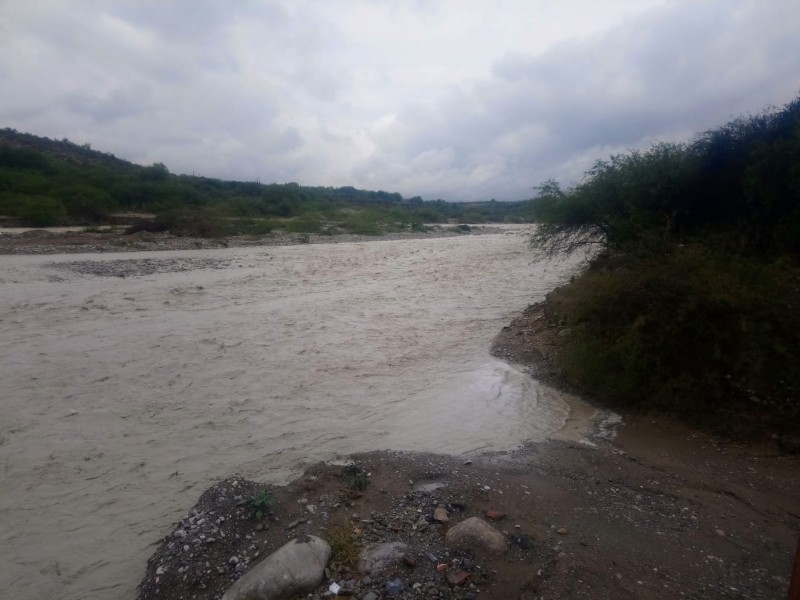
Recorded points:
475,534
376,557
294,569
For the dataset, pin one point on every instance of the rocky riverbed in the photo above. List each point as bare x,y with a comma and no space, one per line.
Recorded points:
611,521
644,508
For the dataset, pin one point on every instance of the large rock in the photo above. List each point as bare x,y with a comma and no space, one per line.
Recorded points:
294,569
475,534
376,557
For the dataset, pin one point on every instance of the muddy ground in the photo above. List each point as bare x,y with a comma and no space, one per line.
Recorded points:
41,241
645,508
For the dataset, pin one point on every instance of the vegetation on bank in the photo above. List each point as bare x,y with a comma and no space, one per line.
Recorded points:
692,304
46,182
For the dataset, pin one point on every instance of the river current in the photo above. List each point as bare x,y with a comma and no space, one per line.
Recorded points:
123,398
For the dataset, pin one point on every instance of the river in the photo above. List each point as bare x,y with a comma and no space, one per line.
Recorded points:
123,398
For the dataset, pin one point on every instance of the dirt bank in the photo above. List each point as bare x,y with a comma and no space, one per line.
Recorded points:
657,511
40,241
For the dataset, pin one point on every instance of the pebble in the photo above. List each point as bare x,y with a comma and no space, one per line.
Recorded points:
440,514
495,515
456,578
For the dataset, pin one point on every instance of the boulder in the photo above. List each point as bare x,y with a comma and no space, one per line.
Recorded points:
294,569
376,557
475,534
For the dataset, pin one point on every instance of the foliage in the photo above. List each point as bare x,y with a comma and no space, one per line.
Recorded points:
357,477
304,224
253,227
183,222
345,548
696,333
261,503
363,223
41,212
692,307
93,184
739,184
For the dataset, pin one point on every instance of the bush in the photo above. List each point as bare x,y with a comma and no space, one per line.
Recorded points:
304,224
42,212
87,203
185,222
696,334
345,548
692,309
362,223
253,227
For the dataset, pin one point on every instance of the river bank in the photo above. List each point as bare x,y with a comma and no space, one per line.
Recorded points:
198,364
72,241
636,507
658,512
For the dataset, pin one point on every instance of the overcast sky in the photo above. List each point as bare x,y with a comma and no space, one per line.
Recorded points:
452,99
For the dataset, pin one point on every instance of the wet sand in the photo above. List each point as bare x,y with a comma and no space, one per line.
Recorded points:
125,397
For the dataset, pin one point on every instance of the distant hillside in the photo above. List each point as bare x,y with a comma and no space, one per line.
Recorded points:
49,182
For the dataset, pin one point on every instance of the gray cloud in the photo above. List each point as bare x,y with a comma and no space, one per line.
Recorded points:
665,75
438,99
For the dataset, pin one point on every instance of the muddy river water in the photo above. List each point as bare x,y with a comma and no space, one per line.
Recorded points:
123,398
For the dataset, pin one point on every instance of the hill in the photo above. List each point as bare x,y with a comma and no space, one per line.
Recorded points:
45,182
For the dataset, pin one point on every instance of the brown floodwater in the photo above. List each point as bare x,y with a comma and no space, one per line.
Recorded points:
123,398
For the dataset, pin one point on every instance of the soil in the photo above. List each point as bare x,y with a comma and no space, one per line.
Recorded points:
643,508
41,241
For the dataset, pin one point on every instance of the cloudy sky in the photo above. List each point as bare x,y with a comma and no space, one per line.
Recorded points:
453,99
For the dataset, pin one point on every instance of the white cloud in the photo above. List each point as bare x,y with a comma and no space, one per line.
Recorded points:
459,99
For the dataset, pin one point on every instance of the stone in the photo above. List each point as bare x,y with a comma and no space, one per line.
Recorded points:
522,541
456,578
294,569
495,515
370,596
440,514
395,587
409,560
376,557
475,533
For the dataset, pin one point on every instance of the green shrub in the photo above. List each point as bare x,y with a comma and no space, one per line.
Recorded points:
363,223
254,227
357,477
86,203
184,222
41,212
304,224
260,503
696,334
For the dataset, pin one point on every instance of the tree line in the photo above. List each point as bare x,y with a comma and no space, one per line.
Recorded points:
50,182
692,303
